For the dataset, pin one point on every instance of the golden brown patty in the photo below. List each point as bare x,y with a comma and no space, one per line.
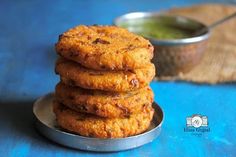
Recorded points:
74,74
104,104
94,126
105,48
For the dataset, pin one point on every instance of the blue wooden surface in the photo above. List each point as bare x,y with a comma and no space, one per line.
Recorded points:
28,31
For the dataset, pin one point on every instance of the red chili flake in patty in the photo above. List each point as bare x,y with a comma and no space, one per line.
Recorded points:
131,47
95,74
137,39
74,53
124,109
131,71
101,41
134,82
80,34
95,108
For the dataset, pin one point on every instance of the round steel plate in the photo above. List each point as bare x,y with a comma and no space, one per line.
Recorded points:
46,125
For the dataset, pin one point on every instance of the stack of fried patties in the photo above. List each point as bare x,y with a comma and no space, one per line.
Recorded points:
104,90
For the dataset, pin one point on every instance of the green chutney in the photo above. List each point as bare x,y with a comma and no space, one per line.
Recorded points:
158,29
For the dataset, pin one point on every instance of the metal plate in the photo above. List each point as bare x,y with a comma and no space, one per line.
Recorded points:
46,125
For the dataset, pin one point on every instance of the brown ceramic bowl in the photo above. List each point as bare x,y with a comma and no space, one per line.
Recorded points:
173,56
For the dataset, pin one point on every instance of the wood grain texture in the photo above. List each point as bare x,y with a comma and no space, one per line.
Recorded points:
219,61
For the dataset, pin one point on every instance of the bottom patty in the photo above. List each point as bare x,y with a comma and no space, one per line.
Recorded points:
94,126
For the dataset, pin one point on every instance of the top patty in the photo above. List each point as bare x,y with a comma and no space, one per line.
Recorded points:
105,48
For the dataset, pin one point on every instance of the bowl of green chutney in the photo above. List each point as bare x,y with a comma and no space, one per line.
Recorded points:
179,42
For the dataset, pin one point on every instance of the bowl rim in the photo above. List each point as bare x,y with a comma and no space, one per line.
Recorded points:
195,39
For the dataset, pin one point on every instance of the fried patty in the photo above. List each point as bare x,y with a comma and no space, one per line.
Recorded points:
105,48
73,74
104,104
94,126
